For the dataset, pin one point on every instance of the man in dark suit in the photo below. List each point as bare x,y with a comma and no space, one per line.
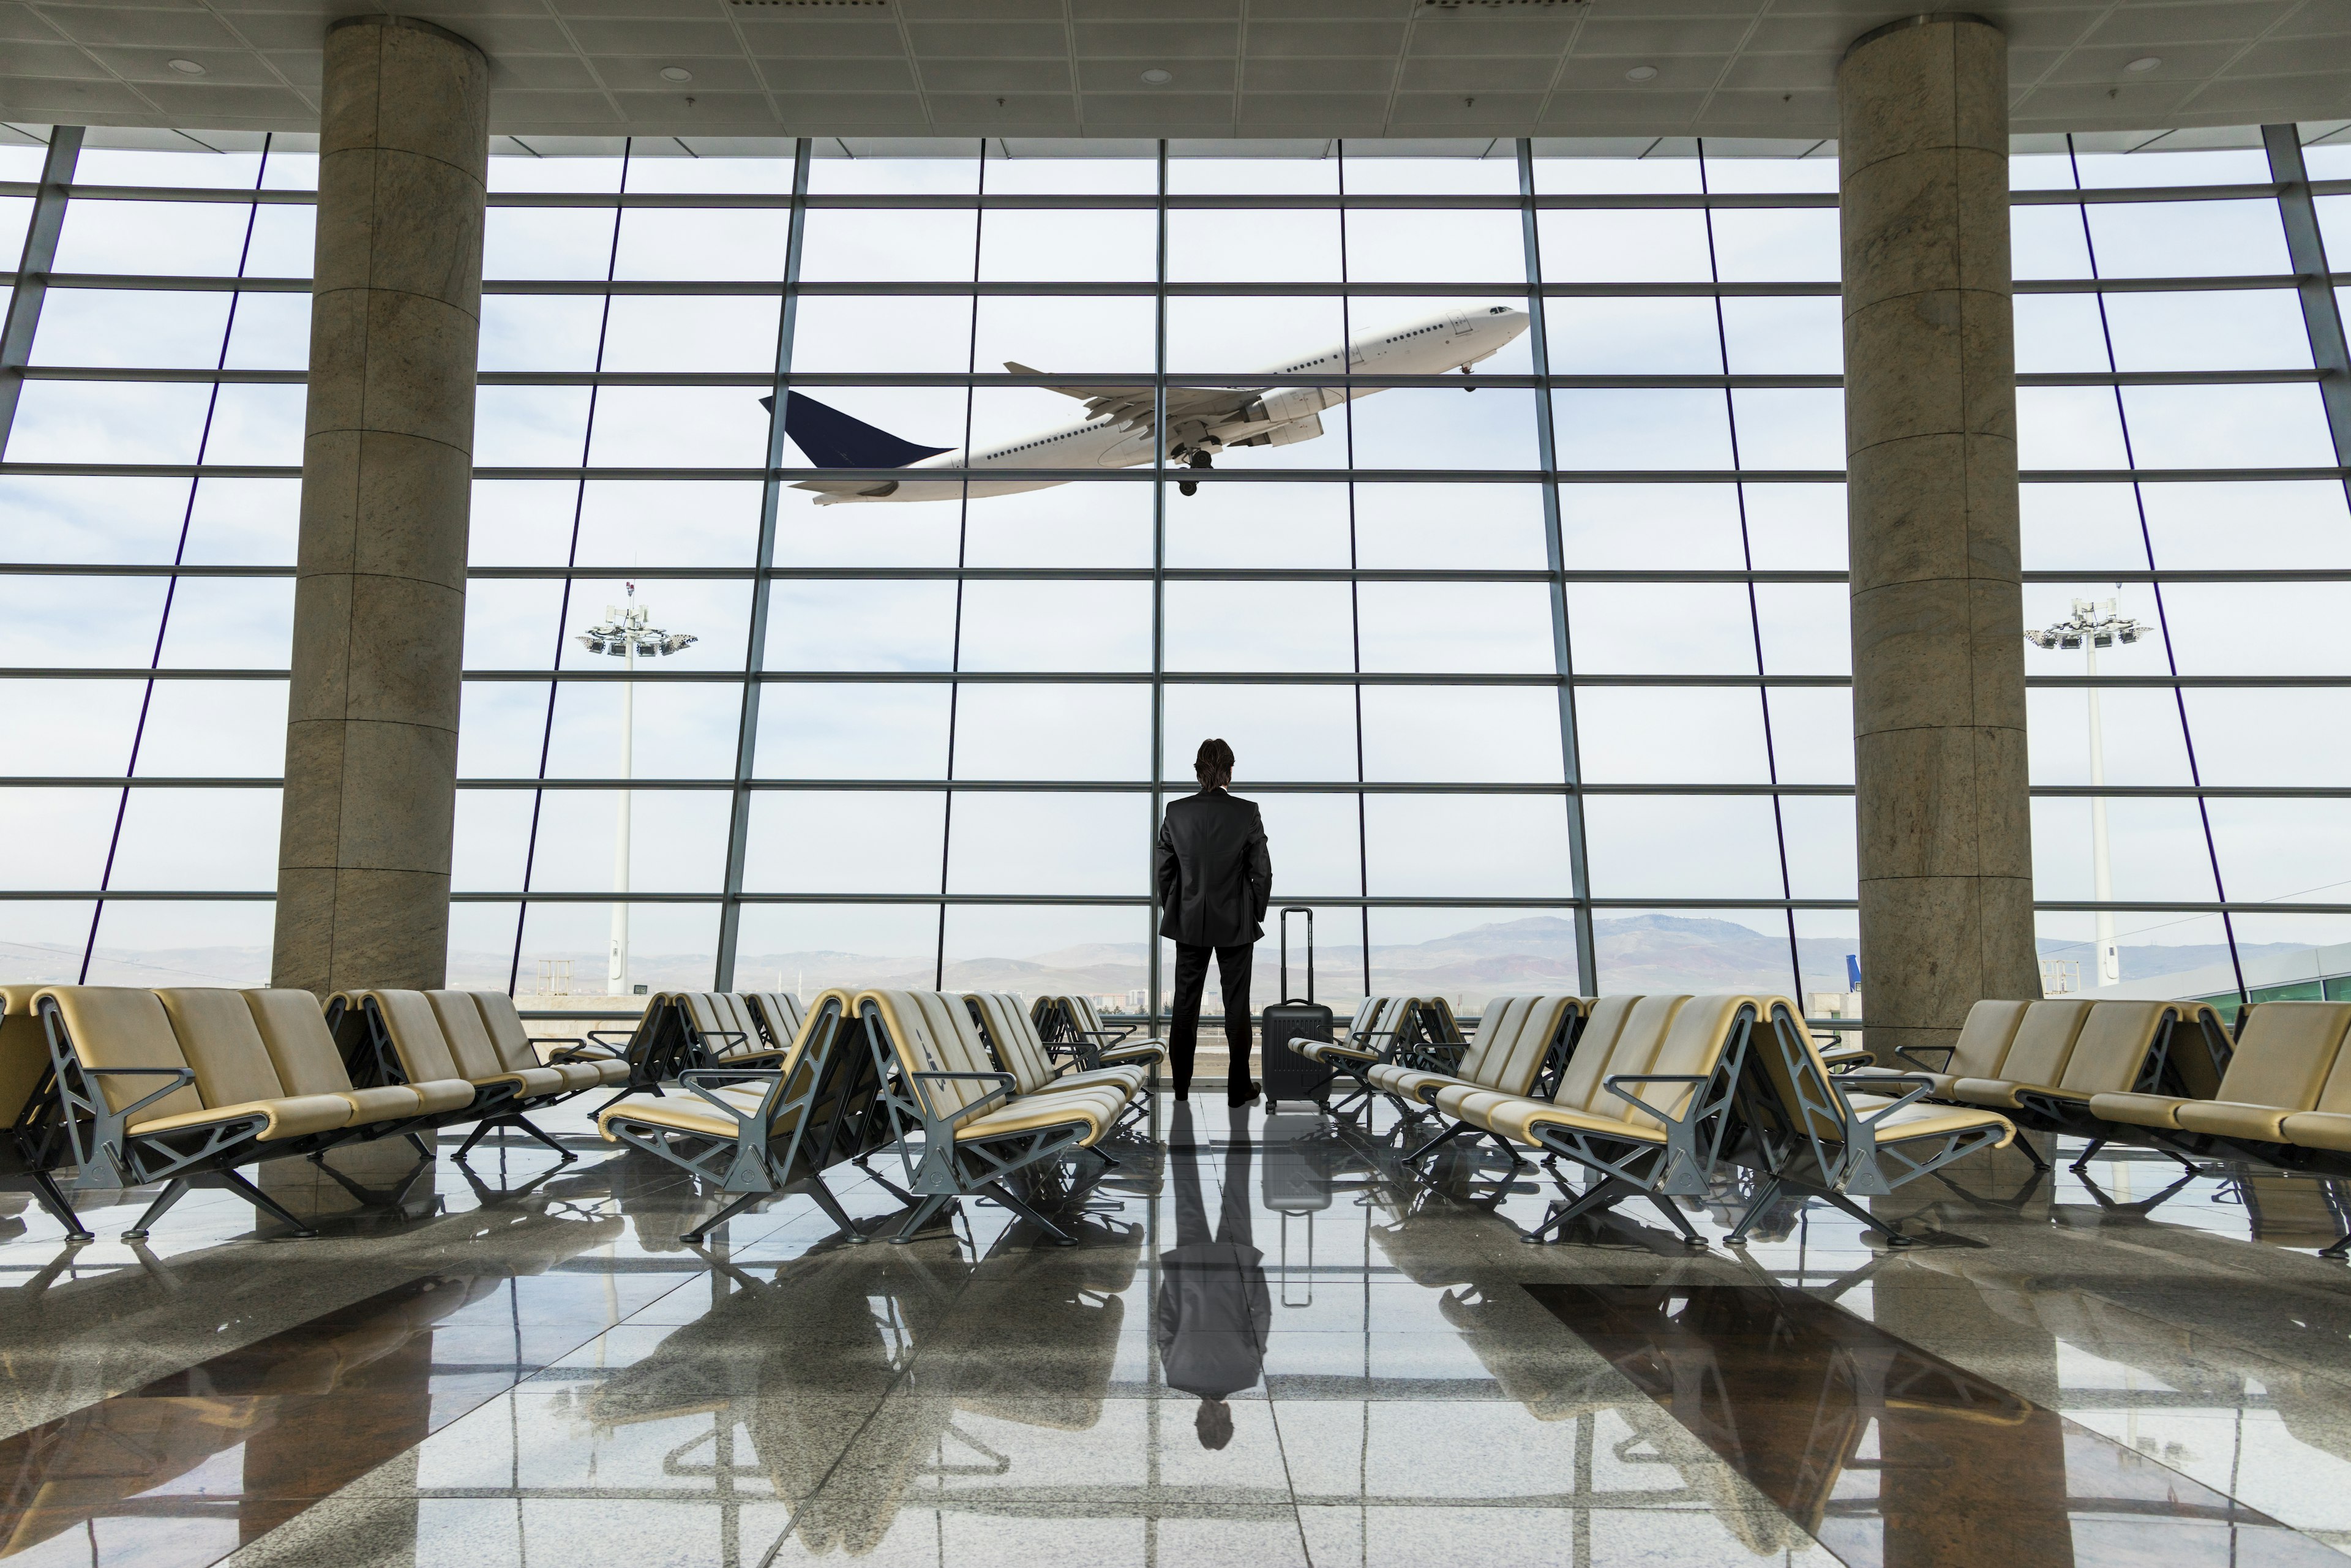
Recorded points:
1215,878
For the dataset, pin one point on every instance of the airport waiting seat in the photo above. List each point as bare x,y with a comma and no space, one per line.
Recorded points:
420,1037
178,1084
960,1127
2285,1053
1982,1046
2122,1047
1807,1131
28,1106
581,1067
779,1015
755,1132
1382,1027
1517,1038
1097,1045
1643,1104
2267,1109
719,1030
1012,1034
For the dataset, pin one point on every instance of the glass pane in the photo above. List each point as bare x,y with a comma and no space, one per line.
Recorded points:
2156,849
671,946
1029,731
677,839
1682,846
1692,951
806,947
1467,846
1061,842
1457,953
1671,734
150,944
813,840
1292,734
1484,734
840,730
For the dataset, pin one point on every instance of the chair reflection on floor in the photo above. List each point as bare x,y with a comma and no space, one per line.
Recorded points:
1523,1348
820,1369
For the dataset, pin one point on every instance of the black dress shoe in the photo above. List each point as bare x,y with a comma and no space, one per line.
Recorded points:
1248,1093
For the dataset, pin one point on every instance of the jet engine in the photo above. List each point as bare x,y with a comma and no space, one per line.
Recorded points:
1287,435
1287,403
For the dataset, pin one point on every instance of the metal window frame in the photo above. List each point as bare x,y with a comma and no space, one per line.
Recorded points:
2312,279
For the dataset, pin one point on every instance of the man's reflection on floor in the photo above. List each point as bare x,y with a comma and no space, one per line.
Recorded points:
1214,1310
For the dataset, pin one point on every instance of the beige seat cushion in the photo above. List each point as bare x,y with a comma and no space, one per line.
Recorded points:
308,1062
477,1057
1521,1120
1917,1120
1097,1107
2161,1110
218,1038
678,1112
298,1117
438,1096
2229,1119
2001,1094
1939,1085
409,1020
2319,1130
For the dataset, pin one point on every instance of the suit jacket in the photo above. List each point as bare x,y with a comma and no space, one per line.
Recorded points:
1214,872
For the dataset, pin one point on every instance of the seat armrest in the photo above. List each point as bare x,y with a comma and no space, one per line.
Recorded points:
1905,1052
1613,1079
180,1078
1004,1085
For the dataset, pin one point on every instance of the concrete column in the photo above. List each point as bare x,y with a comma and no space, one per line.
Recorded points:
387,476
1938,615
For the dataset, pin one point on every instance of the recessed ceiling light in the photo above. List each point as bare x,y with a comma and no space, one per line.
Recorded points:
186,68
1642,73
1158,78
676,73
2142,65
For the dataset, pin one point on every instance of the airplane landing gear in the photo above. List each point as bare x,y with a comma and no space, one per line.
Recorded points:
1192,486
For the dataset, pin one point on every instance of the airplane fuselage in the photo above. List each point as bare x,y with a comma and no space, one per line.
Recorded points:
1270,416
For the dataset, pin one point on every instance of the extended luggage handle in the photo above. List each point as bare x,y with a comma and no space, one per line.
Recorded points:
1288,910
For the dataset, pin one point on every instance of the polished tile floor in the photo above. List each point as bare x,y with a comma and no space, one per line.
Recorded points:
1268,1349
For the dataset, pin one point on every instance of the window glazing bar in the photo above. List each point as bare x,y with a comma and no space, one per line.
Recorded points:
2322,311
32,280
755,654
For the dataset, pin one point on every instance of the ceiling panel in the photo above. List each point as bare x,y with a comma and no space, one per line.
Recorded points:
1359,68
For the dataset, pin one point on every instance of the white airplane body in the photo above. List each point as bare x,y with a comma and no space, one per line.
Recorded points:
1117,432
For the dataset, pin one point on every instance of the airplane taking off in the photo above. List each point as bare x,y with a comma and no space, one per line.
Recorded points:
1116,432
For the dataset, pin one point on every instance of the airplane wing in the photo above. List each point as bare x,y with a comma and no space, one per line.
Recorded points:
1131,406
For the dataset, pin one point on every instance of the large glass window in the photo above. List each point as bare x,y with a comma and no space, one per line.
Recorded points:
1541,673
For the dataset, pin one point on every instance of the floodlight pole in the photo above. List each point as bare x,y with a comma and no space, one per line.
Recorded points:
622,633
616,964
2091,623
2102,869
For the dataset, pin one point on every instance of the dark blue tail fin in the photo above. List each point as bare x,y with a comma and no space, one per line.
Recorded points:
831,439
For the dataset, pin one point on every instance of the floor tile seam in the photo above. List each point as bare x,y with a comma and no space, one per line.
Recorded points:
1290,1480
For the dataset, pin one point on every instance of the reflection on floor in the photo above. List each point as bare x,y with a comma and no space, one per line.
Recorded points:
1268,1348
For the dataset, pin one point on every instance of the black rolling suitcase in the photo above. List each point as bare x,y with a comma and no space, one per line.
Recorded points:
1287,1075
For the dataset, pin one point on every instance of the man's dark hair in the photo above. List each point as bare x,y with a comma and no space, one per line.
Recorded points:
1214,1420
1214,766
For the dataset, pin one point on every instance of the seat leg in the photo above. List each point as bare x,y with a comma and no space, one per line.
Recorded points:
60,1208
2089,1154
924,1212
416,1141
834,1212
2339,1248
527,1125
1003,1194
2024,1142
885,1183
1763,1198
1893,1237
176,1189
1673,1211
1605,1194
481,1129
696,1236
261,1200
1445,1136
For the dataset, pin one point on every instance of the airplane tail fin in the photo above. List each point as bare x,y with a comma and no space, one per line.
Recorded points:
832,439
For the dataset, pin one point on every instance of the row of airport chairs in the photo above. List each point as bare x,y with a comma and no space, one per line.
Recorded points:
1656,1097
965,1090
2162,1075
129,1087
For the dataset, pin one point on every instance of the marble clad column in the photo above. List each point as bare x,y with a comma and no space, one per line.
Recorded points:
1946,852
387,476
